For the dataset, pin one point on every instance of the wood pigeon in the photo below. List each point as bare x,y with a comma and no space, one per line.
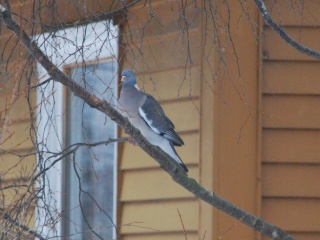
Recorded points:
145,113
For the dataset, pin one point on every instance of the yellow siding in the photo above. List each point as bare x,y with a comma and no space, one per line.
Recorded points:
14,167
236,139
159,217
16,171
185,115
291,146
275,48
288,180
297,215
291,77
16,196
153,189
164,52
20,105
294,13
162,18
290,112
183,84
17,136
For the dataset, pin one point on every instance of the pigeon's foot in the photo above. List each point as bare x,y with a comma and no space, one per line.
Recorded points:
132,141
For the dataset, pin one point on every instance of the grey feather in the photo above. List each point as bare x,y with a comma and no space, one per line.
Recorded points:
155,117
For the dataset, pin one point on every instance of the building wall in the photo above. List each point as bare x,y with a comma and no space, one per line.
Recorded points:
16,139
290,167
236,116
253,139
266,123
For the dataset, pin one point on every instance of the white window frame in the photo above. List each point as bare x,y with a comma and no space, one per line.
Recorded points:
63,53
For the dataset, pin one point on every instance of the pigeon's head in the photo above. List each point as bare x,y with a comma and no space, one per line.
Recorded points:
128,79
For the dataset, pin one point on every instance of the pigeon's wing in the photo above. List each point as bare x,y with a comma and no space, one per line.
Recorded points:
154,116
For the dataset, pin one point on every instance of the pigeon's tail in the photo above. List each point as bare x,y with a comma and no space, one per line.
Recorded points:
181,164
167,146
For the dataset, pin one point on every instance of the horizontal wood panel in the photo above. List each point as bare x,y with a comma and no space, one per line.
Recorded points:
15,167
161,18
23,9
134,157
297,146
14,197
275,48
184,115
292,214
19,110
149,185
162,216
294,13
17,136
11,73
161,236
287,180
173,84
72,11
289,111
291,77
13,50
164,53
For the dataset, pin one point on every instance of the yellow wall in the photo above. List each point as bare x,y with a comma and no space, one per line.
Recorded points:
16,165
290,126
236,104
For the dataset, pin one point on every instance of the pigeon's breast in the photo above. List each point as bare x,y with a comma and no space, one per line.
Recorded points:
130,101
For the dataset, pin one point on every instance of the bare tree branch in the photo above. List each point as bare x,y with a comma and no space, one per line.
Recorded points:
161,157
282,33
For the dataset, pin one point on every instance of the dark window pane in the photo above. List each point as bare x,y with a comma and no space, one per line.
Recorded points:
90,175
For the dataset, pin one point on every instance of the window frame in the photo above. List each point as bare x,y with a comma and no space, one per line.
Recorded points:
56,92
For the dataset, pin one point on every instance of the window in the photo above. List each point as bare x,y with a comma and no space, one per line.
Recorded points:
80,190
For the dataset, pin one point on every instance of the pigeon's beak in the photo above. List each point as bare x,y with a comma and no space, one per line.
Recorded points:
123,78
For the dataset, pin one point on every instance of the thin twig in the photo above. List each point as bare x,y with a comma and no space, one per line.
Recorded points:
40,84
184,230
70,150
204,235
